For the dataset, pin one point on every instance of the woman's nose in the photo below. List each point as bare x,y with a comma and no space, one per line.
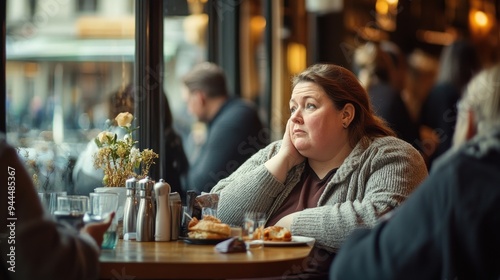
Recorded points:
296,117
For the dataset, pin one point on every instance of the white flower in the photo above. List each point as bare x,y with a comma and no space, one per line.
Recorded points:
127,138
135,155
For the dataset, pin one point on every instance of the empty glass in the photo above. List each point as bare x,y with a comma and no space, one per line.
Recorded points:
253,223
71,209
49,200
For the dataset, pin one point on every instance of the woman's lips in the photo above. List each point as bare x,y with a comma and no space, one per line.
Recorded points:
298,131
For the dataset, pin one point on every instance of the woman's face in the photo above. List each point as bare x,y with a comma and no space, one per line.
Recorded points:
316,130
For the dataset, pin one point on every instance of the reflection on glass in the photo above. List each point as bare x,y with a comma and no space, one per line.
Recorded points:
64,59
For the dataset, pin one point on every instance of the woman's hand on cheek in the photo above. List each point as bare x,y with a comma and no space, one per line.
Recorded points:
286,158
288,149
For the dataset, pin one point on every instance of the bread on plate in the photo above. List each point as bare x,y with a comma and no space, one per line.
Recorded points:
275,233
208,228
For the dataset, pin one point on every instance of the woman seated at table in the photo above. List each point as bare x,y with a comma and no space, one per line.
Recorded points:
338,167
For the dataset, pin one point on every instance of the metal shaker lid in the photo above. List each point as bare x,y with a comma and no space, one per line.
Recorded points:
162,187
146,184
130,183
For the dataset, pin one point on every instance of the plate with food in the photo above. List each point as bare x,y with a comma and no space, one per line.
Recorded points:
207,231
297,240
281,236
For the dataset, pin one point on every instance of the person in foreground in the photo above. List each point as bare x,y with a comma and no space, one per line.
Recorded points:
447,229
32,245
338,167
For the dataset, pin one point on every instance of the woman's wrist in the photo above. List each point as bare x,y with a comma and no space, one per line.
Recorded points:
278,166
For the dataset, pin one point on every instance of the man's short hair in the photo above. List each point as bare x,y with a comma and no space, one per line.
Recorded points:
207,77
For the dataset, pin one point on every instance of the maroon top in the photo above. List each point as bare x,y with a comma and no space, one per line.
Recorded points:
305,194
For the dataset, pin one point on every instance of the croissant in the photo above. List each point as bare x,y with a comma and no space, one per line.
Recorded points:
274,233
208,228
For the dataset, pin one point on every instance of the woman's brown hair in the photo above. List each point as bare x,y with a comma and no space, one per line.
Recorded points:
343,87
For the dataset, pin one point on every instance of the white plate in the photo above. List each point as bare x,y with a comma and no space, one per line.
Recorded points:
296,241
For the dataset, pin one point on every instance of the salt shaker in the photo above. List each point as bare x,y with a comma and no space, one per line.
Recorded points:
163,211
176,210
145,215
130,211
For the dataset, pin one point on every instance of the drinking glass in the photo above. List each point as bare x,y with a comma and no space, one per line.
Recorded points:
101,206
49,200
252,223
71,209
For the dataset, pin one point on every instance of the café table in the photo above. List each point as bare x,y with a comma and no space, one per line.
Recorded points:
179,260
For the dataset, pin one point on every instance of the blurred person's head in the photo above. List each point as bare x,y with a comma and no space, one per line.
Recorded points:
458,63
122,100
373,65
400,65
205,90
352,116
479,108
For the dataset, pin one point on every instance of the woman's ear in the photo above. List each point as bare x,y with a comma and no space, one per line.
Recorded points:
202,97
348,113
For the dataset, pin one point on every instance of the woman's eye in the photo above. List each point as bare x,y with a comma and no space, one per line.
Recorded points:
292,109
311,106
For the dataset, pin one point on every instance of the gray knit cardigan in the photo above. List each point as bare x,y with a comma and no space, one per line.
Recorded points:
377,176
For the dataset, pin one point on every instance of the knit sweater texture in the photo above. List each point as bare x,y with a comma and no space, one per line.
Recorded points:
376,177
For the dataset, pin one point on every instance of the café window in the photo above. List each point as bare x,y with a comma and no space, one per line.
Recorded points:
64,59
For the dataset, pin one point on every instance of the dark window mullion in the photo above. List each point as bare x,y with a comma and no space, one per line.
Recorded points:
148,80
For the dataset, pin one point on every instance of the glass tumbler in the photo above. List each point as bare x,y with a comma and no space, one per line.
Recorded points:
101,206
253,230
71,209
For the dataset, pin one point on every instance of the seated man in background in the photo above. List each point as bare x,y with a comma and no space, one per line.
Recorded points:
33,246
448,228
234,130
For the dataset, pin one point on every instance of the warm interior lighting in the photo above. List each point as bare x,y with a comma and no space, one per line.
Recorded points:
257,23
196,6
195,27
296,58
435,37
387,11
480,22
481,18
382,7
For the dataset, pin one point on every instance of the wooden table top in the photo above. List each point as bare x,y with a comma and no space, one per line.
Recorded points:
178,260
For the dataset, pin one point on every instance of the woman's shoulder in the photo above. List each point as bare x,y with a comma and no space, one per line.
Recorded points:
391,151
272,148
392,143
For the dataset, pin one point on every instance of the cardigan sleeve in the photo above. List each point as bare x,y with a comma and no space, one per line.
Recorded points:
250,188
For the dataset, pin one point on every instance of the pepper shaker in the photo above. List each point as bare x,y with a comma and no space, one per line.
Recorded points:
163,211
176,210
145,215
130,211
